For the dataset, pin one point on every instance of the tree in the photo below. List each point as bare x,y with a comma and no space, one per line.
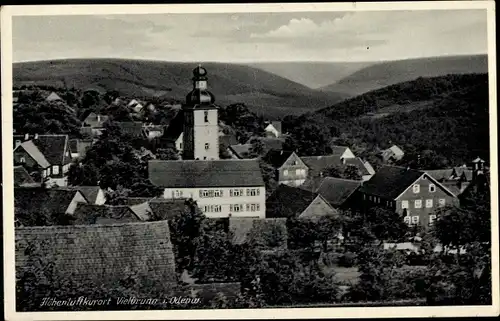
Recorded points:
90,99
352,172
269,176
167,154
309,139
257,148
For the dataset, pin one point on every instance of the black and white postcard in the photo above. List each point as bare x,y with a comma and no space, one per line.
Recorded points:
250,161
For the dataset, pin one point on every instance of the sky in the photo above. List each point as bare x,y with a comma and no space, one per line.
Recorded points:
253,37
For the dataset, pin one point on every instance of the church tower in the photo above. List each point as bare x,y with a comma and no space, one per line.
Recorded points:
201,121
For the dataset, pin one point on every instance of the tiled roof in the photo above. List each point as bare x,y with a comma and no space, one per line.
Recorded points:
259,231
277,158
32,198
131,127
287,201
35,153
337,190
312,183
453,173
53,97
317,164
227,140
166,209
390,181
241,150
21,176
359,164
101,254
54,148
205,173
277,125
396,150
338,150
269,143
104,214
90,192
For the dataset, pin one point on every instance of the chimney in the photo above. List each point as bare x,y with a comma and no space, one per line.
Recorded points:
26,136
36,136
98,118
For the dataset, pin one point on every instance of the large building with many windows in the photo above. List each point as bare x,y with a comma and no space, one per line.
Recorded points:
222,188
412,193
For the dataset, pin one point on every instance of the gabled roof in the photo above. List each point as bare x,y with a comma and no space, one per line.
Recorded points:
338,150
277,158
104,214
260,231
312,183
100,254
93,118
317,164
287,201
52,147
34,152
359,164
205,173
32,198
369,168
337,190
53,97
396,150
277,125
453,173
166,209
240,150
21,176
391,181
90,192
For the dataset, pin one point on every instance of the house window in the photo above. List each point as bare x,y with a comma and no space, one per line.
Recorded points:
285,172
207,193
218,193
178,193
442,202
180,145
236,208
253,192
432,188
207,146
236,192
414,219
55,170
416,188
407,220
206,116
428,203
217,208
418,203
23,160
298,172
432,218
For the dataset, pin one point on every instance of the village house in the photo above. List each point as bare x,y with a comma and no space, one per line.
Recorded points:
339,192
158,208
29,200
290,169
93,194
22,178
88,214
341,152
273,128
222,188
293,202
93,124
320,165
48,156
393,153
412,193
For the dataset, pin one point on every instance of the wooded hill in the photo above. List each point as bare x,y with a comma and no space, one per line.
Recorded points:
443,119
263,92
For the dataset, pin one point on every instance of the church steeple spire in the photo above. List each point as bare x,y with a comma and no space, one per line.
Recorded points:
200,95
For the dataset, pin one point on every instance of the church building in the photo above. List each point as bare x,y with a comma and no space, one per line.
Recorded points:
222,188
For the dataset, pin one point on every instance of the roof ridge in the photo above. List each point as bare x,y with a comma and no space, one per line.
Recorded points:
91,226
342,179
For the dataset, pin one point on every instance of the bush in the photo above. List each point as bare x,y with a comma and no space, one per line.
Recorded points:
348,259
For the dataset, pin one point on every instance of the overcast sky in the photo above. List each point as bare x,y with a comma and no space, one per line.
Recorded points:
253,37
